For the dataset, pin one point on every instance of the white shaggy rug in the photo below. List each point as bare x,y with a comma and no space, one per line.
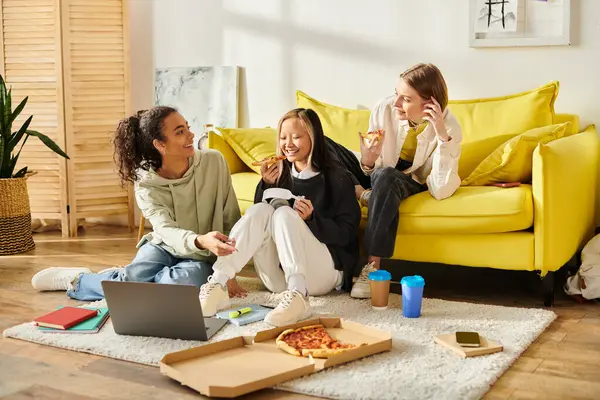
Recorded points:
416,367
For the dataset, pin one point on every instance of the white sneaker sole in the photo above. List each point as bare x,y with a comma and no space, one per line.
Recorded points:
224,304
360,295
305,315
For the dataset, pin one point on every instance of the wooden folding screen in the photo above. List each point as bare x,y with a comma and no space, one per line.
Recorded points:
71,57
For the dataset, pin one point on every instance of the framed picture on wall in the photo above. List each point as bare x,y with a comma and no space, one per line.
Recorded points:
510,23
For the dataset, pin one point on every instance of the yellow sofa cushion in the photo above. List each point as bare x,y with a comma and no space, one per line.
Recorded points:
512,161
217,142
340,124
244,185
509,251
572,118
473,209
251,144
488,122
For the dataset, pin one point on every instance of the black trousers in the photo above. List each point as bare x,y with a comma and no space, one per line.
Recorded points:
389,187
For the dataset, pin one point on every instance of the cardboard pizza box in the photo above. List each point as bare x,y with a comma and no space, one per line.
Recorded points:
241,365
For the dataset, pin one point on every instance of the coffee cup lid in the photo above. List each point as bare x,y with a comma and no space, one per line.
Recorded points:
380,275
413,281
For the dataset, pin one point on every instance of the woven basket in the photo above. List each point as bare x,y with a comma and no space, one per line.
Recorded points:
15,217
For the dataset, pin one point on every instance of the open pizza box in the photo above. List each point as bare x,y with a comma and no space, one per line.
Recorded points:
245,364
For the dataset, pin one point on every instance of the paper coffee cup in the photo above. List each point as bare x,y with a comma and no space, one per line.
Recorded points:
380,289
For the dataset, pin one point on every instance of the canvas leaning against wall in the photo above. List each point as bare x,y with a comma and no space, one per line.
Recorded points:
203,95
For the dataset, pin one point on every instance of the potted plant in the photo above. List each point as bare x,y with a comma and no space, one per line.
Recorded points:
15,214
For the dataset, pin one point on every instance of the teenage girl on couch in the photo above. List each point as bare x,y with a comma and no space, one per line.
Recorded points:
402,162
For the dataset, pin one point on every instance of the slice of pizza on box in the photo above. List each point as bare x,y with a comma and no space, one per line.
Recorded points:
241,365
312,340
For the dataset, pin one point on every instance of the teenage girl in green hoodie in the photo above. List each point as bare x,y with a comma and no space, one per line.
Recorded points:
185,194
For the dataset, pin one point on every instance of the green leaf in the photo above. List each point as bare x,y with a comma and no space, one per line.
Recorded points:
48,142
4,133
18,110
19,135
21,173
11,166
8,113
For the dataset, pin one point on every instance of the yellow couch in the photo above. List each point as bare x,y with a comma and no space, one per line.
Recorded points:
537,226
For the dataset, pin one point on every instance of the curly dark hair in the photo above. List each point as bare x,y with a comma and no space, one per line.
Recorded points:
133,142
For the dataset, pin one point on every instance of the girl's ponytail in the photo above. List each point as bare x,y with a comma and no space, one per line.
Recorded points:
134,142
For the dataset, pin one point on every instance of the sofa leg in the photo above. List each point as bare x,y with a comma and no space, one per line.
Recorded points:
548,289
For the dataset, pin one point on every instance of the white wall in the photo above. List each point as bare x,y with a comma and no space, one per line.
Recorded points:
350,52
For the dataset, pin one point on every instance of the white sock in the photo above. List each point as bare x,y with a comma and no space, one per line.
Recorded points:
297,282
220,277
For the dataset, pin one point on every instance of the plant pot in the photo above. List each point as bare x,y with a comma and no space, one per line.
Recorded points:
15,217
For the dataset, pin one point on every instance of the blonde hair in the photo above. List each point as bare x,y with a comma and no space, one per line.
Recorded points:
428,81
302,115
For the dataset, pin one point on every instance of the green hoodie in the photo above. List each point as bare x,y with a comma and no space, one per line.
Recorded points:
201,201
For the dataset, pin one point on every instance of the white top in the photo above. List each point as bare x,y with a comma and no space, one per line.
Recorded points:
435,161
306,173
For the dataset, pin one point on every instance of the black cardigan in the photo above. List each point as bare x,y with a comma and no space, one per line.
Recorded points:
336,216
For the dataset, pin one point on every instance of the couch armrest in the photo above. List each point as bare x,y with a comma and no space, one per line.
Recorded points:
565,177
216,142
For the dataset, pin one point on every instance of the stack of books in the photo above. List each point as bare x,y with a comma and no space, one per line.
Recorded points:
73,320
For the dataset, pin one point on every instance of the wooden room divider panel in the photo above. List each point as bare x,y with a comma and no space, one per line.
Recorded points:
71,57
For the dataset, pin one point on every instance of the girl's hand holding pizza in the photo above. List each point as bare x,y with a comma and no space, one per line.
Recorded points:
370,146
269,173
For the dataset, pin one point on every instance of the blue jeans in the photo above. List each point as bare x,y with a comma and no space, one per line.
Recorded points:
151,264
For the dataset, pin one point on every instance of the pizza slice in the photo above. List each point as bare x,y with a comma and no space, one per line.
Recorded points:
372,135
312,340
269,161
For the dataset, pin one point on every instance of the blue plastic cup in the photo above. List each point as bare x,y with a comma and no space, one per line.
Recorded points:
412,295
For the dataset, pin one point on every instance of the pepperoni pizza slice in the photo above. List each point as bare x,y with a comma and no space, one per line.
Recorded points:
311,340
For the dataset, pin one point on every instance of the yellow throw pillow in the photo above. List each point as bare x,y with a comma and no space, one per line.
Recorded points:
340,124
251,144
488,122
516,113
217,142
474,152
511,162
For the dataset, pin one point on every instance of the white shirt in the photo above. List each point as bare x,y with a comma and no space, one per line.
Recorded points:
306,173
435,161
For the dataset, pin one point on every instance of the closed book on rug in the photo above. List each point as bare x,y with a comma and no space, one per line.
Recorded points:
486,346
91,325
65,317
257,313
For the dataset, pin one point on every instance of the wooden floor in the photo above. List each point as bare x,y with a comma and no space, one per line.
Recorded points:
562,364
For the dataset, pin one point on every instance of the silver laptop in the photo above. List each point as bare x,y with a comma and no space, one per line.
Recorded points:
159,310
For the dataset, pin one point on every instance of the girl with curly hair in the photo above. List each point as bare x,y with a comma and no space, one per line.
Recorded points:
185,194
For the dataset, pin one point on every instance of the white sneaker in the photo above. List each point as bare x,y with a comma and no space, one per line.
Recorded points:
362,288
213,298
292,307
56,278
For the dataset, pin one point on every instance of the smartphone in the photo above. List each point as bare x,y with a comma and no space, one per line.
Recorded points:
468,339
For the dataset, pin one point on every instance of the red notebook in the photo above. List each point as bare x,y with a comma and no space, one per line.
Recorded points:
65,317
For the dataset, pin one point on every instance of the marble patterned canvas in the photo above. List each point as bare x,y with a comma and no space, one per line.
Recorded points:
203,95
